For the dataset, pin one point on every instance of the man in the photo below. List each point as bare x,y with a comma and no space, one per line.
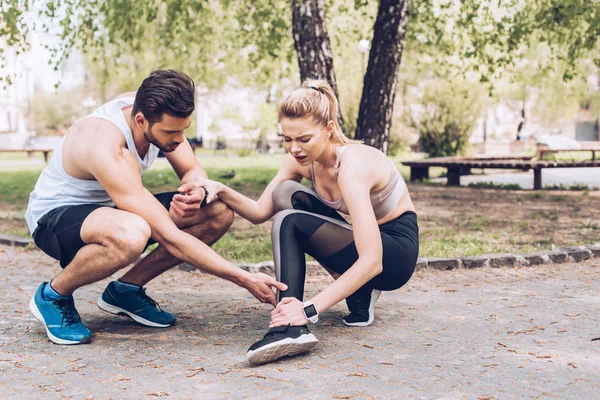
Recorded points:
90,211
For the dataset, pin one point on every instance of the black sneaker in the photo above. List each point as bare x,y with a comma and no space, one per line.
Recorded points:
362,307
281,341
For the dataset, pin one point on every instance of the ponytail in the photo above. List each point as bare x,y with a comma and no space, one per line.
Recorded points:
315,99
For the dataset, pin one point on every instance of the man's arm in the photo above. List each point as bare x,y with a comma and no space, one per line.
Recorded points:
118,172
190,173
184,162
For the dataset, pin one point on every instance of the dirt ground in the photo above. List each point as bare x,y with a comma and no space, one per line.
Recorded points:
507,220
468,221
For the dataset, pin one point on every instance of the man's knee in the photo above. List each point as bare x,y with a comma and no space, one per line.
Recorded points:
282,195
220,216
129,238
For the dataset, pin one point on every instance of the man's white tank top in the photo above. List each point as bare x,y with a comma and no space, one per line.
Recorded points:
56,188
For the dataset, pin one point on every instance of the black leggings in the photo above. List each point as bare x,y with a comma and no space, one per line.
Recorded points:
304,224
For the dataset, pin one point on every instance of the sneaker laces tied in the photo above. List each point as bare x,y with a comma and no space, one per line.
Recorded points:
142,295
70,316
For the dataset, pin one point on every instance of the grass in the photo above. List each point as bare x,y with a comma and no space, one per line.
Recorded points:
449,244
466,226
492,185
249,246
574,187
15,187
569,156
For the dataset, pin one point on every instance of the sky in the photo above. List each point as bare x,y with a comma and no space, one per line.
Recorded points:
45,77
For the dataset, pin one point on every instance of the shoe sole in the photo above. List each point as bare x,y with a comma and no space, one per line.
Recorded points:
282,348
374,298
36,312
109,308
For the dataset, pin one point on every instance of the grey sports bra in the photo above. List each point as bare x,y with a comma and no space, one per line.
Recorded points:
383,201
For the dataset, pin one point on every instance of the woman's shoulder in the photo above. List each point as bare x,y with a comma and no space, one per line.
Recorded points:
363,154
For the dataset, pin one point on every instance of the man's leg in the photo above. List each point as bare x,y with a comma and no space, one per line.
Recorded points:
92,243
209,225
114,239
127,296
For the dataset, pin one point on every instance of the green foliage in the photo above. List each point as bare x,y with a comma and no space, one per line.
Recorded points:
574,187
53,113
488,37
444,113
537,44
13,33
492,185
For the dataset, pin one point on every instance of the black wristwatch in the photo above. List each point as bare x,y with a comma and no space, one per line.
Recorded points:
310,312
204,200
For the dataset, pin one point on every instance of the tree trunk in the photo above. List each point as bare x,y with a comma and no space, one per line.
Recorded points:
312,44
379,87
521,123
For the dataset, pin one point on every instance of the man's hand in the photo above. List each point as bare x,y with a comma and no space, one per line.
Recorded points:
187,202
261,286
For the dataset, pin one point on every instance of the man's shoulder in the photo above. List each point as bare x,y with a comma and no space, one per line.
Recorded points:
126,95
92,126
93,133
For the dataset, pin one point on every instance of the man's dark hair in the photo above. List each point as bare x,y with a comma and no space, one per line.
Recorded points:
165,92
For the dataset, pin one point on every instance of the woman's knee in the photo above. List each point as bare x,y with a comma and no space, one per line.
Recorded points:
282,195
284,221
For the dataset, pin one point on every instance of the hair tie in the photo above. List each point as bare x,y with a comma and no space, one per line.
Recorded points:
315,88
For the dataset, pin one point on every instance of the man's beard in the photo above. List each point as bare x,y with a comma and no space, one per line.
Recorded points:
150,137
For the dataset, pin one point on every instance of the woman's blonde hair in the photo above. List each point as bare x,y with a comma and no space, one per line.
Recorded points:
316,100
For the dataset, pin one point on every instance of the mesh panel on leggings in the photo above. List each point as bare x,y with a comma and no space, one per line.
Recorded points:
328,239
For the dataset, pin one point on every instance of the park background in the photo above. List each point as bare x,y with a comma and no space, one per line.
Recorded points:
438,78
444,77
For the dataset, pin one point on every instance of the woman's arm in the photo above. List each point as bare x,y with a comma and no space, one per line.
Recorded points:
355,180
256,211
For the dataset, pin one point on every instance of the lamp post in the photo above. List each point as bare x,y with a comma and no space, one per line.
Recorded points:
88,103
363,49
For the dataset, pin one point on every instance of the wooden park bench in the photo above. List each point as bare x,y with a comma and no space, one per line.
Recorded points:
457,166
29,151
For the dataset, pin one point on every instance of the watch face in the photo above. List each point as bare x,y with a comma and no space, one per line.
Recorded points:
310,311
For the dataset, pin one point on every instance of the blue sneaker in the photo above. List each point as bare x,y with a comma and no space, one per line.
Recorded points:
135,304
61,319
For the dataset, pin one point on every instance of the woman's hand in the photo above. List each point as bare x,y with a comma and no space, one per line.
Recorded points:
212,189
290,310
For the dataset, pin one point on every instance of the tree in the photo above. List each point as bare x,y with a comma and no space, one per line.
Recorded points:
445,112
311,41
203,37
379,88
13,33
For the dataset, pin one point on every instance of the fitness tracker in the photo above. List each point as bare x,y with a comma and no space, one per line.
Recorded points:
310,312
205,199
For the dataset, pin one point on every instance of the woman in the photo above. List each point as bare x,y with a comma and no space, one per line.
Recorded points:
377,252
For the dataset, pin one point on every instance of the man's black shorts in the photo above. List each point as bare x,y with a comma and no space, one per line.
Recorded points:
58,232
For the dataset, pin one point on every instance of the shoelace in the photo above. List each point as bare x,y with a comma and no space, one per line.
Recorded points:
69,313
142,295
